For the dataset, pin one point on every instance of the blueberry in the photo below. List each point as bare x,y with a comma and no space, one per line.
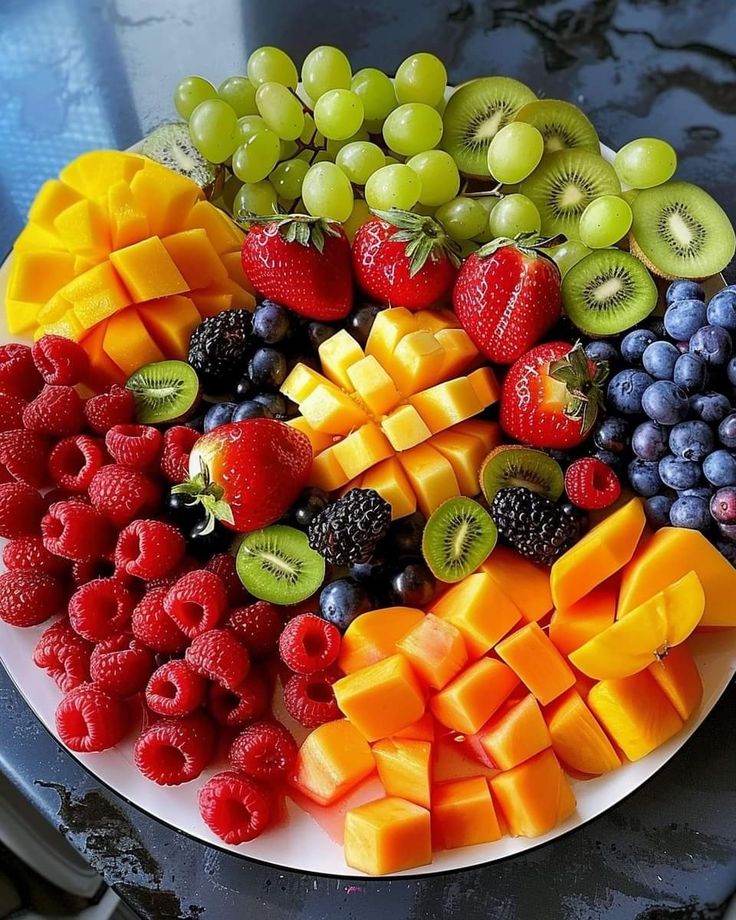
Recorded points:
650,441
683,318
703,492
368,572
405,536
684,290
602,351
690,512
319,333
271,322
731,372
360,322
625,391
413,585
690,373
244,388
635,343
711,407
679,474
203,545
719,468
644,477
722,309
659,360
612,434
249,409
657,510
723,505
267,368
179,508
342,601
728,531
727,550
657,326
275,405
219,414
727,430
664,402
713,344
692,440
310,503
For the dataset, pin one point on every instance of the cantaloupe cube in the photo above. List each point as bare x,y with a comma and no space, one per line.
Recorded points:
326,472
171,321
387,835
381,698
404,428
102,371
372,636
488,433
318,439
51,199
460,353
330,410
37,276
463,814
96,295
577,738
374,386
389,480
435,649
147,270
571,628
224,235
195,257
535,796
416,362
515,734
166,198
128,222
486,386
421,730
301,382
468,701
465,453
405,768
211,300
679,679
83,230
332,760
362,449
447,403
520,579
337,355
431,476
128,343
480,610
535,660
388,328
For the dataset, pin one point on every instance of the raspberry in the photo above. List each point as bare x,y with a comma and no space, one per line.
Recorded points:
175,751
116,407
218,655
56,410
264,750
591,484
123,495
76,531
309,643
310,700
197,602
101,609
75,460
258,626
178,443
175,689
154,627
18,374
91,569
63,655
59,360
134,446
89,720
29,598
121,665
246,702
149,549
29,554
24,456
12,414
223,564
21,509
234,807
187,564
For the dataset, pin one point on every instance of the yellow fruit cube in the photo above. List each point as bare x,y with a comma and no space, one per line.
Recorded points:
405,428
36,276
67,326
242,298
54,308
53,197
94,172
326,471
431,476
435,320
317,439
165,197
460,353
84,231
337,355
102,371
362,449
234,267
389,327
447,404
195,257
488,433
212,300
373,385
330,410
301,382
390,481
387,835
96,294
465,454
128,343
224,235
416,362
32,236
128,223
21,315
147,270
171,321
485,384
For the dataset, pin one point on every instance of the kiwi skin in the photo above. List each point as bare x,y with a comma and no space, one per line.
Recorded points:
547,479
459,536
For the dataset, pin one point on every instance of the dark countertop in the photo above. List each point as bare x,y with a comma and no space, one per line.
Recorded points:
75,75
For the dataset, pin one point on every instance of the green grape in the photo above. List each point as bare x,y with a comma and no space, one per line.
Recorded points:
645,162
439,176
359,160
412,128
338,114
327,192
514,214
255,198
287,177
255,159
605,221
374,125
190,92
334,147
325,68
230,189
515,152
568,254
288,150
214,130
462,218
281,110
239,93
250,124
395,186
272,65
421,78
376,91
488,203
360,214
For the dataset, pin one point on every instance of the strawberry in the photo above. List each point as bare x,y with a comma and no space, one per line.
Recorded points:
248,474
551,396
507,296
301,262
404,259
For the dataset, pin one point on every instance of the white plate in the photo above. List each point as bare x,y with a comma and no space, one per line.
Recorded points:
302,843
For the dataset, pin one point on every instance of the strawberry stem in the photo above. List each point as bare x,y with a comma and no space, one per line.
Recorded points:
203,491
424,236
584,386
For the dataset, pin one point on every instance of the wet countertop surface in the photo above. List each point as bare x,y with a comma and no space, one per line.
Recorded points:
91,73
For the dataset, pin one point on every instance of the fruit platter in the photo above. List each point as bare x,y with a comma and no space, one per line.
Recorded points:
368,465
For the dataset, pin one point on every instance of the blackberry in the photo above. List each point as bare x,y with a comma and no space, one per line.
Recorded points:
348,531
219,350
535,526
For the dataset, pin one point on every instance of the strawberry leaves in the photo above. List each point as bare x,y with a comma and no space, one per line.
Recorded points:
296,228
424,238
584,385
208,494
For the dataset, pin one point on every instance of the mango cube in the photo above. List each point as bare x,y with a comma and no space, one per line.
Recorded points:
435,649
332,760
460,353
148,271
300,383
536,661
430,475
195,258
523,581
372,636
374,386
468,701
330,410
388,328
515,734
84,231
37,276
326,472
128,223
51,199
167,198
405,428
224,235
416,362
171,322
535,796
463,814
337,355
391,483
362,449
318,439
488,433
128,343
465,454
405,768
387,835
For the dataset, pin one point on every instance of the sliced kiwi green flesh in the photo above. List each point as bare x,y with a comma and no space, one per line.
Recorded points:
564,184
561,124
278,565
607,292
679,231
475,113
163,391
171,146
459,536
513,466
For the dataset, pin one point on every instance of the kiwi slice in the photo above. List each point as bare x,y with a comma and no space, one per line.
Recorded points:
163,391
679,231
564,184
171,146
514,466
561,124
607,292
475,112
459,535
278,565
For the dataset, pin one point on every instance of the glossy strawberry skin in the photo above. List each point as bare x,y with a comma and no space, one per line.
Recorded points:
383,269
507,301
313,283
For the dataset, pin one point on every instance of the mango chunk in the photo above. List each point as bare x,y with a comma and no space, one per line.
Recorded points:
465,454
468,701
515,734
301,382
405,768
128,343
337,355
416,362
430,475
372,636
166,198
679,679
211,300
421,730
535,796
387,836
195,258
537,663
571,628
96,295
459,351
463,814
326,472
435,649
373,385
362,449
577,738
332,760
128,223
147,270
330,410
388,328
390,481
84,231
521,580
171,321
488,433
447,403
37,276
486,386
34,237
101,371
51,199
405,428
318,439
224,235
94,172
